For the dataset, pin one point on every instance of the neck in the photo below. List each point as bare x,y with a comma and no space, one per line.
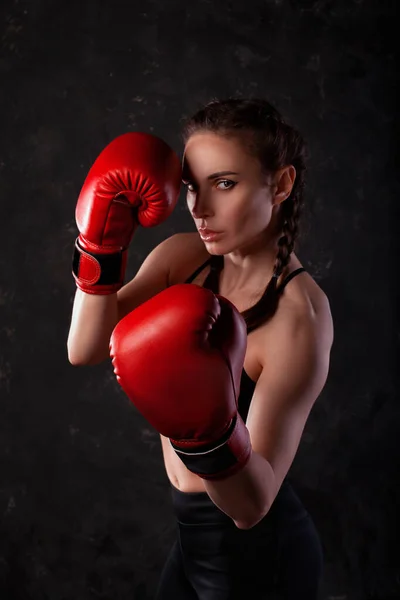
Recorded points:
250,266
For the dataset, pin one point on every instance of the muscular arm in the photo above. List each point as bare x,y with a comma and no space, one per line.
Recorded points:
95,317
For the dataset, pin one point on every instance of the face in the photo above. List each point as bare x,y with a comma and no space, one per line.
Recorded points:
228,193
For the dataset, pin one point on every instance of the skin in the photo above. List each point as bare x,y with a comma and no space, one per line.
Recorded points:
245,207
296,340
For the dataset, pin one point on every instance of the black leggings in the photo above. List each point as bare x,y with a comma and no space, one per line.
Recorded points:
211,559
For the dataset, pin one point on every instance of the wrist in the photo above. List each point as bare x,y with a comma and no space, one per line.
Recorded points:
98,270
219,459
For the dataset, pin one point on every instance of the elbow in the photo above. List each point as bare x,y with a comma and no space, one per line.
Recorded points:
248,524
77,360
242,524
250,521
76,363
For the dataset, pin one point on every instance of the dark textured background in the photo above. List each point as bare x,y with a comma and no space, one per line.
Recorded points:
84,504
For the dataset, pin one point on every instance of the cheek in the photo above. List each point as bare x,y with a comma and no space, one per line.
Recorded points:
251,213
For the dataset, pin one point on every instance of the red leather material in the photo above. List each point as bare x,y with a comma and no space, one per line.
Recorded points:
179,358
135,180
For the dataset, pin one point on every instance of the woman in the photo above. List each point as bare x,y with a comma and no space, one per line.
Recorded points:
247,535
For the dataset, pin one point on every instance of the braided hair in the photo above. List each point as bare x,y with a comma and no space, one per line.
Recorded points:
276,144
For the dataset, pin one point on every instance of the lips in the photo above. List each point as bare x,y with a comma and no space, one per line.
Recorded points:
203,231
208,235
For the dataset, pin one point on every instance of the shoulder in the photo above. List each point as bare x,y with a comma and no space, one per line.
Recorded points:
304,299
293,354
309,313
188,253
303,309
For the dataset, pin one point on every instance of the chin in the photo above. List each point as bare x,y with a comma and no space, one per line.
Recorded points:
214,248
218,249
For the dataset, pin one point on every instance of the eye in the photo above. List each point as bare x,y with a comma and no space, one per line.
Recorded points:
229,182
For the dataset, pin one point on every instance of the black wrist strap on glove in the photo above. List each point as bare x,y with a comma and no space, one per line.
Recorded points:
95,269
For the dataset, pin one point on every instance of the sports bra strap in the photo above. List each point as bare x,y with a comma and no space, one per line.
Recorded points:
197,271
289,278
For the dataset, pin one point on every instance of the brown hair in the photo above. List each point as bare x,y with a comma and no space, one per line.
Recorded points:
276,144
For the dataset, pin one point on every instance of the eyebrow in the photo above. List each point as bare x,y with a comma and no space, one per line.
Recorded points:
215,175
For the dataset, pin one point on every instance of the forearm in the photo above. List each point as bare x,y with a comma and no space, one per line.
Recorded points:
248,495
93,320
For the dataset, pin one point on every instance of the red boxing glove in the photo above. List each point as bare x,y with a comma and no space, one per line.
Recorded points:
179,358
135,180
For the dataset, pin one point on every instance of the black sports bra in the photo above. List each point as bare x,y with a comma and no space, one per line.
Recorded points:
247,385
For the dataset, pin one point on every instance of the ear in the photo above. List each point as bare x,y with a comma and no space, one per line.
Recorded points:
283,181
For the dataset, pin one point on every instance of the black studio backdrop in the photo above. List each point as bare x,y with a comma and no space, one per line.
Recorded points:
85,509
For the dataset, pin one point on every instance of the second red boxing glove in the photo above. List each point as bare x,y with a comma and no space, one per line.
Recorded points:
135,180
179,358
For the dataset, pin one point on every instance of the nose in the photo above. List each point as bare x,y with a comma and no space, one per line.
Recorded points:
199,206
